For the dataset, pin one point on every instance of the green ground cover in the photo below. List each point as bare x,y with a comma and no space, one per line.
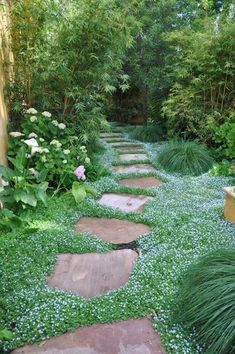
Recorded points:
186,218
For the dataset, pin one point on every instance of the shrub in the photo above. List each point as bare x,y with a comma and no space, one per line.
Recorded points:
186,157
207,301
225,137
53,149
148,133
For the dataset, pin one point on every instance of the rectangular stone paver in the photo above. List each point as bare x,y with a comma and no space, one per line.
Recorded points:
124,337
112,230
129,157
143,168
130,147
124,201
142,182
92,274
108,135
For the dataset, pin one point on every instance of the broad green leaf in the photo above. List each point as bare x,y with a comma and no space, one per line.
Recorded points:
90,190
5,334
78,192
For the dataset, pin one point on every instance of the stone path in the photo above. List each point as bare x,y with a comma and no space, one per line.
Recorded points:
126,337
112,230
94,274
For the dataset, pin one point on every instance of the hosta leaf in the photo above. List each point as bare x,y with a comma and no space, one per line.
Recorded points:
78,192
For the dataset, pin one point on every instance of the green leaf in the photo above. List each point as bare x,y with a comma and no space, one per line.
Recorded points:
26,197
5,334
78,192
90,190
41,195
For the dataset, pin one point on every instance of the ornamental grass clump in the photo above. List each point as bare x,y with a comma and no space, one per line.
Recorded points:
207,301
185,157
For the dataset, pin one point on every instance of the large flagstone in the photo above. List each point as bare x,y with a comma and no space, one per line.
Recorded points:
124,337
142,168
129,157
130,147
112,230
141,182
108,135
92,274
124,201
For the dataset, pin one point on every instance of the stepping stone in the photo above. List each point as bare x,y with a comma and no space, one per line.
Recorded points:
125,337
144,168
130,147
129,157
93,274
124,201
112,230
108,135
117,143
142,182
119,140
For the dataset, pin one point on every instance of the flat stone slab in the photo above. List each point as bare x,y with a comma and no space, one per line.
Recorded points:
133,168
129,157
112,230
117,140
125,337
124,201
108,135
142,182
117,143
93,274
130,147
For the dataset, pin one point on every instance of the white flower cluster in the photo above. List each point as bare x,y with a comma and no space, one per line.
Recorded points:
31,111
56,143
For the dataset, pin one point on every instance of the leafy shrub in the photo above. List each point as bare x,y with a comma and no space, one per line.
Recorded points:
225,168
207,301
186,157
53,149
21,188
149,133
225,136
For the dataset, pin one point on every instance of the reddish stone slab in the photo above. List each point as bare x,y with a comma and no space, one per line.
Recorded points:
117,140
117,143
112,230
143,168
124,201
108,135
92,274
125,337
129,157
130,147
143,182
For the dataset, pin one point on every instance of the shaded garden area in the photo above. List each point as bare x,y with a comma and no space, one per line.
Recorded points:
117,116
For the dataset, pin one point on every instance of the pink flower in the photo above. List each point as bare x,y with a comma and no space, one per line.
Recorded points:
80,173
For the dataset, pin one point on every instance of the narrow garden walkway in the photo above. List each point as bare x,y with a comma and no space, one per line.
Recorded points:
94,274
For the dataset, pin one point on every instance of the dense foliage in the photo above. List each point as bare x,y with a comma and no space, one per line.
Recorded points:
182,66
73,53
207,300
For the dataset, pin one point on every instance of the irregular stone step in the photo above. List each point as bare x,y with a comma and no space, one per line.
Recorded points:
142,182
125,337
117,140
105,135
130,147
112,230
129,157
144,168
124,201
92,274
120,143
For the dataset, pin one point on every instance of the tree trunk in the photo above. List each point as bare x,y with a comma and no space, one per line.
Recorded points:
6,64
